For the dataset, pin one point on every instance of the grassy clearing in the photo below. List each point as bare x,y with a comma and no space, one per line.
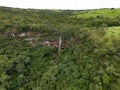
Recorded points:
102,12
113,32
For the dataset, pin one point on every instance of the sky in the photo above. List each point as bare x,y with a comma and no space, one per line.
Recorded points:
61,4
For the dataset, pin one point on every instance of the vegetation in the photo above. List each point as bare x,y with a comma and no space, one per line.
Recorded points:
113,32
88,60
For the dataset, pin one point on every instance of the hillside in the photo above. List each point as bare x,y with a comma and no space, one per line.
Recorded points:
88,59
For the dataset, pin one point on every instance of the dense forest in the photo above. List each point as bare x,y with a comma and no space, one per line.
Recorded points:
88,59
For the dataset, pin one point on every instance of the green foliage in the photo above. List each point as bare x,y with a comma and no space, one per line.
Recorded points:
89,59
106,79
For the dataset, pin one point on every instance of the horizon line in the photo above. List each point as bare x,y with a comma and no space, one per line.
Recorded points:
59,8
